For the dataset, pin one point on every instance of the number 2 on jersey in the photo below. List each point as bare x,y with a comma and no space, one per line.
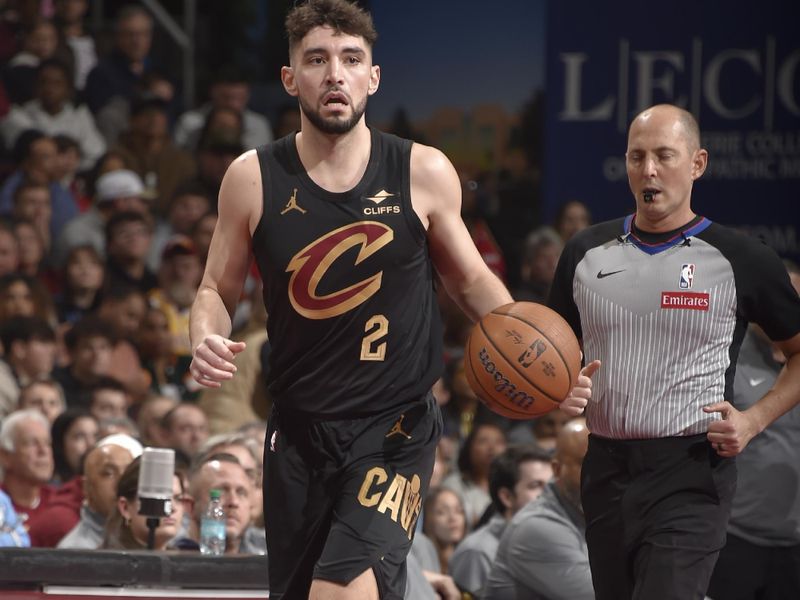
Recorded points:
376,328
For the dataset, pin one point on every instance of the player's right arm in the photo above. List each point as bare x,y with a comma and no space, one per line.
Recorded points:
240,208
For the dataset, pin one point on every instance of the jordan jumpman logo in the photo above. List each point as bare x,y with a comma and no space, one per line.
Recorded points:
397,428
292,204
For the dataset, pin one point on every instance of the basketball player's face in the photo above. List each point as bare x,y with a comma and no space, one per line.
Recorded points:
662,160
332,76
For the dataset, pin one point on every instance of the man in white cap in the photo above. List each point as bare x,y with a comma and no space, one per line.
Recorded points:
103,466
115,191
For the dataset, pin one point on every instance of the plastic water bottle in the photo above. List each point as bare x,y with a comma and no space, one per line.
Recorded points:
212,526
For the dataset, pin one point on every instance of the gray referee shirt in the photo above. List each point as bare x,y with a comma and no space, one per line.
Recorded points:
666,317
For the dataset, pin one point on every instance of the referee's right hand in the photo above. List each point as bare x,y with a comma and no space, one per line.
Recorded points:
575,403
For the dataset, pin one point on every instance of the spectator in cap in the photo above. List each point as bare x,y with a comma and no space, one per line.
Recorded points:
103,466
115,191
148,148
178,278
86,182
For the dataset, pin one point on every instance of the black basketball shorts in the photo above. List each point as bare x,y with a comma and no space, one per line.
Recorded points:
344,496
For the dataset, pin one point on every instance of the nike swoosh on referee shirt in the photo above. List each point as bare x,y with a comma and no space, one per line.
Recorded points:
601,275
756,382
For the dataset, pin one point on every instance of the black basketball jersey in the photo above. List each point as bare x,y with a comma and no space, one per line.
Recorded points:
348,285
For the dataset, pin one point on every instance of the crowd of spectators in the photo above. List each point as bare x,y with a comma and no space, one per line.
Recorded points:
107,203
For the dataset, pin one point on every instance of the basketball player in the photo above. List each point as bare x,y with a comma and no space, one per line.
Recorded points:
662,298
348,227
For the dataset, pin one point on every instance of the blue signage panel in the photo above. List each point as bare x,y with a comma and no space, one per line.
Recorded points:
735,68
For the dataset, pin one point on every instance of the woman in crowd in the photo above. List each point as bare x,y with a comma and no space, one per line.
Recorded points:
444,523
83,275
74,432
25,296
471,481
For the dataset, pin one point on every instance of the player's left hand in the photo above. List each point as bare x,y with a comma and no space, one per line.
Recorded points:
730,435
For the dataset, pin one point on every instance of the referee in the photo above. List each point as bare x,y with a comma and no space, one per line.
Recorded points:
661,298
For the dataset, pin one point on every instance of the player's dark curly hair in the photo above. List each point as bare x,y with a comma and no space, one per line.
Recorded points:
340,15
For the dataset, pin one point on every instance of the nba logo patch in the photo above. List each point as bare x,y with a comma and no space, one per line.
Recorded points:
687,276
272,440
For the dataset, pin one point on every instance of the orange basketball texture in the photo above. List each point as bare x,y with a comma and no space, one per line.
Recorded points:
522,359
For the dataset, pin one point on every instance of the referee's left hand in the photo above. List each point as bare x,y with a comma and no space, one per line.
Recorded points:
730,435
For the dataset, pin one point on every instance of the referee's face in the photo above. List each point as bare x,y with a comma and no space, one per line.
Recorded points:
662,162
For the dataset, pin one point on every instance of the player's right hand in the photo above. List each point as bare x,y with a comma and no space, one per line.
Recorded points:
212,360
575,403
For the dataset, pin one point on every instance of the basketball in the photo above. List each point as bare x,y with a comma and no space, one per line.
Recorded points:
522,359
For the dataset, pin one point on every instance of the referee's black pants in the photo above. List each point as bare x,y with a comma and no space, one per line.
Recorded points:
656,513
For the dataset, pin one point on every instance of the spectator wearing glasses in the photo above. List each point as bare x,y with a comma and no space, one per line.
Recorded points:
222,472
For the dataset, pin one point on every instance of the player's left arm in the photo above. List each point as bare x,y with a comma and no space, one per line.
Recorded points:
732,434
436,197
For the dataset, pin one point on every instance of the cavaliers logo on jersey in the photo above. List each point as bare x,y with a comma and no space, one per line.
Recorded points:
309,266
